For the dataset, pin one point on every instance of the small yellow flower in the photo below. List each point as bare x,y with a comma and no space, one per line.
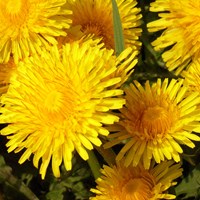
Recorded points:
28,25
155,121
95,17
56,104
133,183
179,21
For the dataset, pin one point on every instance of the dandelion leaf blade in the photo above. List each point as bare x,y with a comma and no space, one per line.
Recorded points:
118,32
190,185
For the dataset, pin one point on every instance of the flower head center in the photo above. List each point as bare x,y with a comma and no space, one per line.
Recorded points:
92,29
95,19
14,11
13,6
155,120
100,30
53,101
137,188
133,186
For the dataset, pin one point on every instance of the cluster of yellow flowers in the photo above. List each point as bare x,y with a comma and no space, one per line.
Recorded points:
61,84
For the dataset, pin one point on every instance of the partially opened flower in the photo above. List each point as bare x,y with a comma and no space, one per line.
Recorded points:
180,23
155,121
56,104
133,183
6,71
28,25
95,17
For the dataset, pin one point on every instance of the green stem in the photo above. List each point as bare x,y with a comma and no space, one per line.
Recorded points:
7,177
108,155
94,164
150,49
145,36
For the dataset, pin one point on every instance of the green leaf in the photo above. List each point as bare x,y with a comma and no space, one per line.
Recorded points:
56,192
72,184
190,185
118,31
2,161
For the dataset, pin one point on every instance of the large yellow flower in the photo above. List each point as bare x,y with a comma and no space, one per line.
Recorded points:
133,183
180,21
28,25
95,17
57,104
155,121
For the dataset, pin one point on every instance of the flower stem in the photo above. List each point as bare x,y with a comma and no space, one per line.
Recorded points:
108,155
6,176
94,164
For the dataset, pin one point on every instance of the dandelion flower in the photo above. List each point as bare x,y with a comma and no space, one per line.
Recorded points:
56,104
95,17
28,25
120,182
6,71
155,121
179,21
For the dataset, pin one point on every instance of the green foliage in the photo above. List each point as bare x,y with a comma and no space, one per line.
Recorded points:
189,187
56,191
73,182
118,32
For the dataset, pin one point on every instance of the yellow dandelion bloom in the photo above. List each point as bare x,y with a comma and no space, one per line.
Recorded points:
180,22
28,25
155,121
6,71
95,17
133,183
56,104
